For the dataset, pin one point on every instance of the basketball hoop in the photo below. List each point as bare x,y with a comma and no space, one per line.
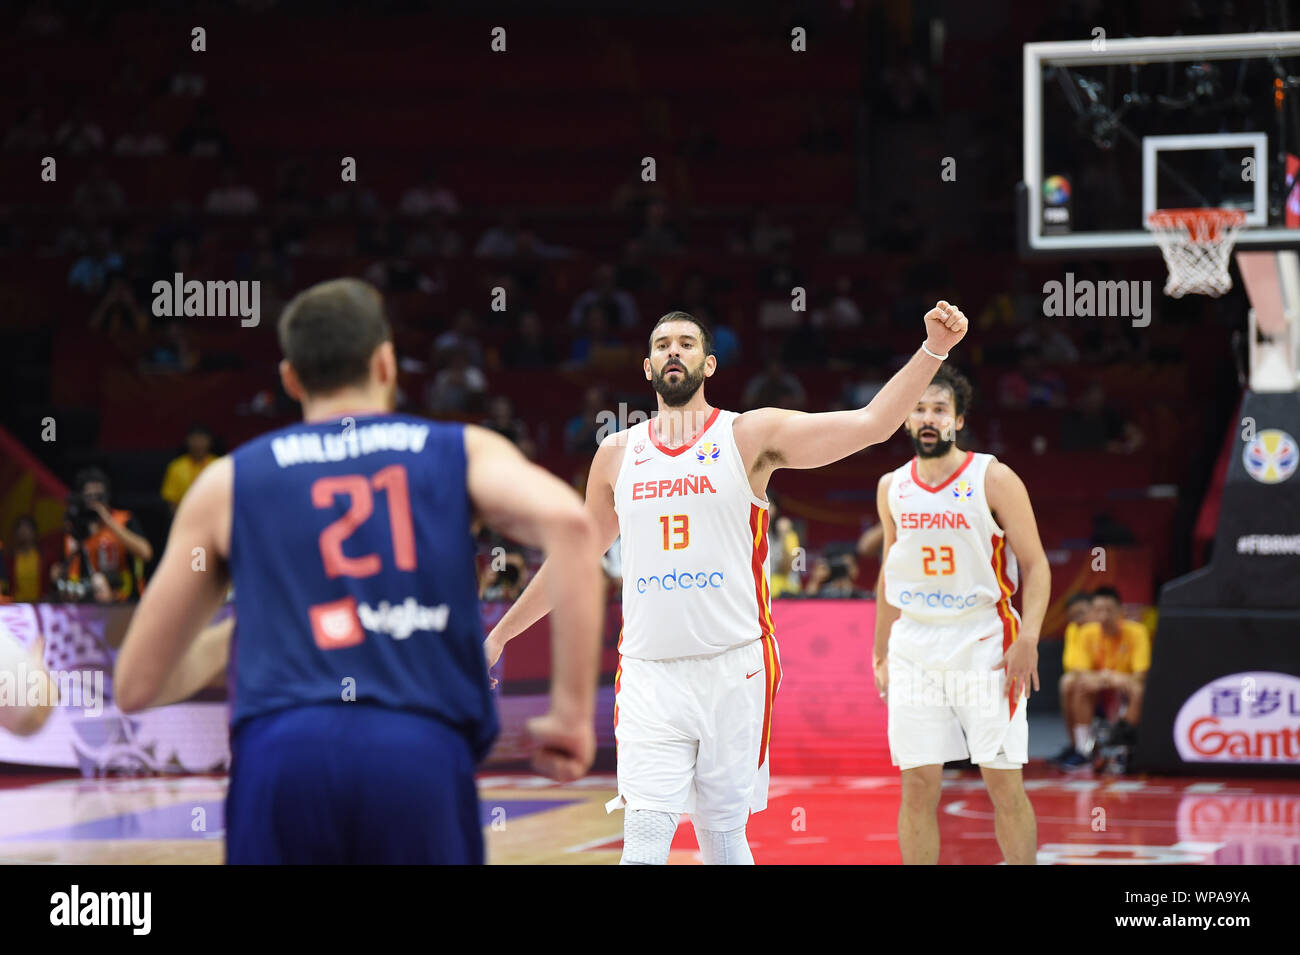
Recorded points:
1197,245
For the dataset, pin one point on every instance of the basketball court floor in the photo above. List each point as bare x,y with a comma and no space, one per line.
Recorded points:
1082,820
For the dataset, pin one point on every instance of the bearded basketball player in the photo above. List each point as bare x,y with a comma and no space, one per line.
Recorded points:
699,665
952,656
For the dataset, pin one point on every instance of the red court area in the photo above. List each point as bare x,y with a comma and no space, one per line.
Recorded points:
1081,821
834,796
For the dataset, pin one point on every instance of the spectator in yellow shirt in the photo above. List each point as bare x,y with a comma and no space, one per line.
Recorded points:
25,567
182,471
1108,653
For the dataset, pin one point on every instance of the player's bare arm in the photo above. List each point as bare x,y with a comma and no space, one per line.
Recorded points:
535,602
885,614
771,438
206,657
180,600
1009,501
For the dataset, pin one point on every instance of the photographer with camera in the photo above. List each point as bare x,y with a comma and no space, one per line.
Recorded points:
105,550
504,579
835,575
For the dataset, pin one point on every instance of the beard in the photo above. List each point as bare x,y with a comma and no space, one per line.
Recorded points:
940,447
676,394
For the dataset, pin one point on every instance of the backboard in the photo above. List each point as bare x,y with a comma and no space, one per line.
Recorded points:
1117,128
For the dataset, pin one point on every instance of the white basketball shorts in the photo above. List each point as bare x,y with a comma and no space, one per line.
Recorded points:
693,734
946,702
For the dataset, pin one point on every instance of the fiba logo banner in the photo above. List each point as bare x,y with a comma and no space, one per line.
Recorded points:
706,452
962,490
1271,457
1242,718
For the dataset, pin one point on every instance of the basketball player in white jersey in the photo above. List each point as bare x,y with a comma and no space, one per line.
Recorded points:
952,656
699,665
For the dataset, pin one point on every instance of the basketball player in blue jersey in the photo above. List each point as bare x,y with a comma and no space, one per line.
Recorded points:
360,692
699,667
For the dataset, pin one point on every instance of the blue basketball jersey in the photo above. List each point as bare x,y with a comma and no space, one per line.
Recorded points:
353,567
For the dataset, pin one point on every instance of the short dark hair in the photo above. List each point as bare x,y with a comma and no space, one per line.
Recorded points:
706,334
329,331
1110,592
962,394
1082,597
91,475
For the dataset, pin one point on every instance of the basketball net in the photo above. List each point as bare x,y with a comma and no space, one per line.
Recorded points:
1197,246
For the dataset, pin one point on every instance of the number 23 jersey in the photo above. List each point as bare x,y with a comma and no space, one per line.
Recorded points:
950,557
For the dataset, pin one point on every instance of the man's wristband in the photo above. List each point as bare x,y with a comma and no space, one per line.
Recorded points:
932,354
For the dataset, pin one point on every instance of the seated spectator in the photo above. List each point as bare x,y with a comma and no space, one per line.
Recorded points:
1031,385
502,419
598,347
860,392
637,272
429,195
378,235
140,138
24,565
99,195
29,133
1109,656
836,579
848,236
1078,611
778,277
902,232
231,197
182,471
529,347
90,272
774,387
99,539
175,353
434,238
1096,425
619,304
658,236
504,578
765,235
119,310
841,311
787,554
79,136
202,136
458,388
463,336
585,430
870,541
499,241
726,343
400,274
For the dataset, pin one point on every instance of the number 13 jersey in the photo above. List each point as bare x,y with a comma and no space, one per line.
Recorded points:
694,545
950,558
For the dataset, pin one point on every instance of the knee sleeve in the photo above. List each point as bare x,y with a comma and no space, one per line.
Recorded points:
724,848
647,836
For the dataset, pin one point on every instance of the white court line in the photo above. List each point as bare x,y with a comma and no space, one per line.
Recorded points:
595,842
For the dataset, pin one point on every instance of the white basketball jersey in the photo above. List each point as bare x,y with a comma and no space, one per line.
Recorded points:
950,557
694,548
